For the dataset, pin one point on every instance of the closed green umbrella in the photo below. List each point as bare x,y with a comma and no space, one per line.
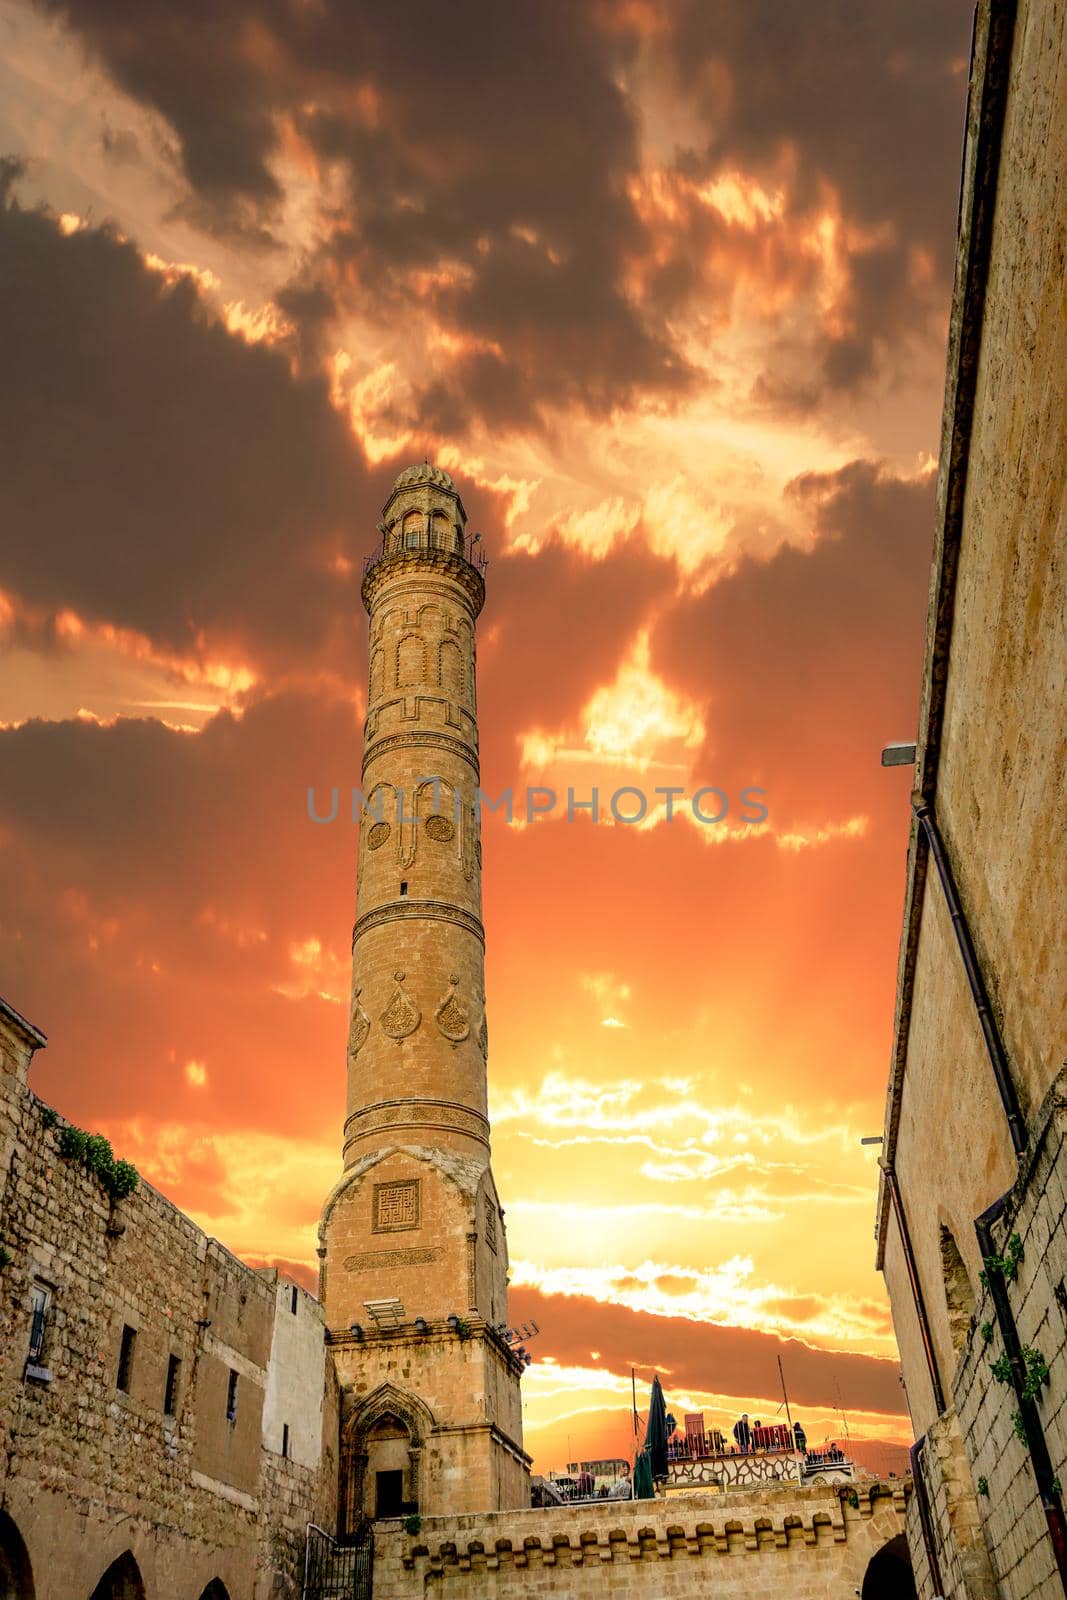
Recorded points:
656,1431
644,1488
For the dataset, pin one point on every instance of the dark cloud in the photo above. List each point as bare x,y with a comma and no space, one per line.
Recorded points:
809,662
161,474
169,876
867,100
701,1355
483,151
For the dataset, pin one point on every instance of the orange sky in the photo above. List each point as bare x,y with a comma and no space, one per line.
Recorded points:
665,288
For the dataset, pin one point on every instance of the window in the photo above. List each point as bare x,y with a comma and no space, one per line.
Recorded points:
285,1439
231,1398
403,889
295,1300
411,538
40,1299
125,1372
170,1393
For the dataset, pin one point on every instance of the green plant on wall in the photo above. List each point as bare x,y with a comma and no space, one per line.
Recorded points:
93,1151
1005,1266
412,1524
6,1257
1035,1371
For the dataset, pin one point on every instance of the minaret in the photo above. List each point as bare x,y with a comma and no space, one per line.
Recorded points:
412,1242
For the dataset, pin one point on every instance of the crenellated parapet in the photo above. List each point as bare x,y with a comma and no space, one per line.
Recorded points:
601,1547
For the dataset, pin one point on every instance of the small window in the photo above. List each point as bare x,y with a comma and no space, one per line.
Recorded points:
285,1439
125,1372
40,1300
403,889
170,1393
411,538
231,1398
295,1301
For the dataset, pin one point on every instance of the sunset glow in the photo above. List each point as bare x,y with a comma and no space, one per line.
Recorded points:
683,354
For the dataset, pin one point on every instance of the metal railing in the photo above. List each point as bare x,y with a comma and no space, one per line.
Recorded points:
473,553
337,1569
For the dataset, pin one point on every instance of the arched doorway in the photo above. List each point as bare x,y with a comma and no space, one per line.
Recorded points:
889,1575
121,1581
381,1456
216,1590
16,1579
390,1483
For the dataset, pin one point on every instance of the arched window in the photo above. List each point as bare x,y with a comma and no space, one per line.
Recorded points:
410,661
959,1296
377,673
450,663
16,1579
121,1581
412,530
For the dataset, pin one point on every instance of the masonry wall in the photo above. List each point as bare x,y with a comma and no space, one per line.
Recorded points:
1014,1524
89,1470
809,1544
1000,780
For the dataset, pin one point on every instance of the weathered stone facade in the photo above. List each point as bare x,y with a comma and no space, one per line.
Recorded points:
431,1414
808,1544
135,1430
974,1114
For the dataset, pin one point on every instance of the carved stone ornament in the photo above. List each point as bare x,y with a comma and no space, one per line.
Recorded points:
452,1019
378,835
441,828
483,1037
400,1016
358,1027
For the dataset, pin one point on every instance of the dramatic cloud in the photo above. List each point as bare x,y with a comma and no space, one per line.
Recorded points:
665,289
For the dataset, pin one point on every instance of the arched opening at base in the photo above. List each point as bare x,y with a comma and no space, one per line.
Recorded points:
389,1482
889,1575
121,1581
16,1579
216,1590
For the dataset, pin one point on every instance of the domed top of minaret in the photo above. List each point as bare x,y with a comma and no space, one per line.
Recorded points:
424,487
424,472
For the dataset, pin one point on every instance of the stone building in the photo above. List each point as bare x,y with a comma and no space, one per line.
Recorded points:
168,1416
971,1228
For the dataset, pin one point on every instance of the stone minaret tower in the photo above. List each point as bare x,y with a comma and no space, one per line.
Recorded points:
412,1242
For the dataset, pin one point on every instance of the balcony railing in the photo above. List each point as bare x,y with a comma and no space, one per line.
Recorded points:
473,553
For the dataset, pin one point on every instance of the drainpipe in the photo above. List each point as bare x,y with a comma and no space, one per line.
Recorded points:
1036,1443
916,1287
926,1522
979,994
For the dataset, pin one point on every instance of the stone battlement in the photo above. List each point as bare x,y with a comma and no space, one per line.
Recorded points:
603,1547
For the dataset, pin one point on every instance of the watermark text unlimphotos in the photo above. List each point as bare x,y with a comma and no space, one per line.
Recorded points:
434,796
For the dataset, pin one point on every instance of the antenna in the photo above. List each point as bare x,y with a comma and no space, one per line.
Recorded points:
789,1420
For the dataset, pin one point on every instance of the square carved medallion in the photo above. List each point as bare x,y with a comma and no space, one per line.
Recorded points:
397,1206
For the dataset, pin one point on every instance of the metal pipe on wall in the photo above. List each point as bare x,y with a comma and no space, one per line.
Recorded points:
916,1286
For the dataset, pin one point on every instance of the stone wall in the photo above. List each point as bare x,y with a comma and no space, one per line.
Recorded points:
991,760
91,1468
809,1544
1014,1524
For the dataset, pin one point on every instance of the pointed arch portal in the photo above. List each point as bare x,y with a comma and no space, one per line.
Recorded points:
889,1575
381,1454
16,1578
121,1581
